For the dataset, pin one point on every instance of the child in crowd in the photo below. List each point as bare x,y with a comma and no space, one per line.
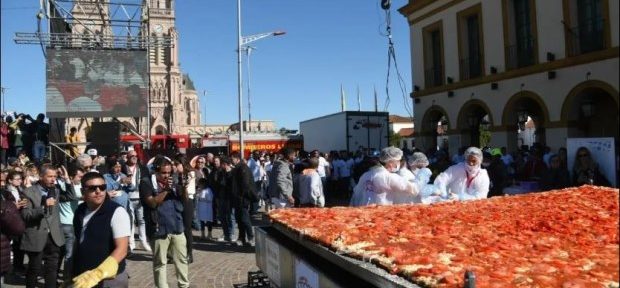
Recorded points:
204,209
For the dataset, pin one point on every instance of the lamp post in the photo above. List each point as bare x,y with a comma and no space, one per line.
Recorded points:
248,51
241,41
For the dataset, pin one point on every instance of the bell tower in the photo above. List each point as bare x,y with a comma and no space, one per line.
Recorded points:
164,71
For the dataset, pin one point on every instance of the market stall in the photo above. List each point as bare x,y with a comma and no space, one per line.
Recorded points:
549,239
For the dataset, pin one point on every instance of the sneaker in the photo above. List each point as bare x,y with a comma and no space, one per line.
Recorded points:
147,247
250,243
238,243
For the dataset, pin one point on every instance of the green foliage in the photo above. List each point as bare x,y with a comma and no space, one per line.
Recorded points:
395,139
485,137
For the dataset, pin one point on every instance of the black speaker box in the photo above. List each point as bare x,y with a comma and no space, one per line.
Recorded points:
105,137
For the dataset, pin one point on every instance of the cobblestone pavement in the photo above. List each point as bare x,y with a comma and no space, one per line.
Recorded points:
215,264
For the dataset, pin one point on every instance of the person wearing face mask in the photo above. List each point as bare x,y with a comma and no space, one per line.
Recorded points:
465,180
381,185
418,163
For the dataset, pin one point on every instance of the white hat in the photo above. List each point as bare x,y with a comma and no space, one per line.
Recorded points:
92,152
390,153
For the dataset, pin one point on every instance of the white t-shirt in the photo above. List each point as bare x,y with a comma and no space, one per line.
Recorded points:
120,223
323,166
254,166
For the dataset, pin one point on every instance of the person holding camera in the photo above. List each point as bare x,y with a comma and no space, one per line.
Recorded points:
163,210
43,236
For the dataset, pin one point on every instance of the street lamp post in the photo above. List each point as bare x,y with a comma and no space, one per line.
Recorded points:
248,51
241,41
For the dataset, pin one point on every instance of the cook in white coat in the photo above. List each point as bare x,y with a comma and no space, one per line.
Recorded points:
417,164
465,180
381,185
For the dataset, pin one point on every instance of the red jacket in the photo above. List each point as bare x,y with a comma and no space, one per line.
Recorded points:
11,224
4,135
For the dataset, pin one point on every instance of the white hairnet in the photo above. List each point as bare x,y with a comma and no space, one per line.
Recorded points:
390,153
418,158
473,151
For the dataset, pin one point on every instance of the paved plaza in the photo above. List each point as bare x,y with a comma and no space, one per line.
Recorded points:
215,264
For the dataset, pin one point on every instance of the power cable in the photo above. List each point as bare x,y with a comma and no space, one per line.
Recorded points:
392,57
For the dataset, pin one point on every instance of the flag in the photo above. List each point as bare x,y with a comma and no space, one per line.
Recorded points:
343,104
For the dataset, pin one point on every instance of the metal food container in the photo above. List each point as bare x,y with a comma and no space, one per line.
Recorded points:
290,260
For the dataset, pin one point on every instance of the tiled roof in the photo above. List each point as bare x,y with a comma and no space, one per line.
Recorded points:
399,119
406,132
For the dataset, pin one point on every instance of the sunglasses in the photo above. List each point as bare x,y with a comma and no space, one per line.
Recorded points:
93,188
583,155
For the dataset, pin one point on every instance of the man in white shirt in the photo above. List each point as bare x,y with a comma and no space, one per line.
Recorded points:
255,168
323,168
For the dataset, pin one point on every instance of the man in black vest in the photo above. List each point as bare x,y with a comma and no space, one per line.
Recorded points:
102,230
163,212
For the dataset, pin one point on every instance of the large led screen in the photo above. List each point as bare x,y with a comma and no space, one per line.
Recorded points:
96,83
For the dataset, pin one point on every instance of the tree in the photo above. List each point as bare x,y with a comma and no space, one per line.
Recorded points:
395,139
485,137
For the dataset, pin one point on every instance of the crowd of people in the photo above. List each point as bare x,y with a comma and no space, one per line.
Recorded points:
88,216
23,136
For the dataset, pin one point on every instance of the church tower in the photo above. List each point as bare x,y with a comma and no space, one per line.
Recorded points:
174,105
166,82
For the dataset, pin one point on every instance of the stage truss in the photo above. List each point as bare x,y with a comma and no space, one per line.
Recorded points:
95,24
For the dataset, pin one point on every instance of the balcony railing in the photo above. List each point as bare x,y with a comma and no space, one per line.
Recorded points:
522,54
433,77
470,67
589,36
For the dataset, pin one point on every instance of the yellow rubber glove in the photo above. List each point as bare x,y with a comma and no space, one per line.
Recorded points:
107,269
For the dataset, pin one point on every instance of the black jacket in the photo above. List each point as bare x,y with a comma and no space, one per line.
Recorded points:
243,186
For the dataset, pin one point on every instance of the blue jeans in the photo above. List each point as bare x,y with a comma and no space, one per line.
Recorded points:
38,151
67,230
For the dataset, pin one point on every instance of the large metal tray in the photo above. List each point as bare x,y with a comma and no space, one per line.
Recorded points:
367,271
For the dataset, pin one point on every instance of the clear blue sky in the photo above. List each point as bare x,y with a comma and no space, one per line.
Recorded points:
295,77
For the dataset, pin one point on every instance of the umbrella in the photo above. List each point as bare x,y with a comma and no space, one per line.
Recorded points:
193,163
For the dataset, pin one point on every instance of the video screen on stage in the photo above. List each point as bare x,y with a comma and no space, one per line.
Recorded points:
96,83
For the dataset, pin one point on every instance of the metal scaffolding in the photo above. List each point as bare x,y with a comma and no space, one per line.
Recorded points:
94,24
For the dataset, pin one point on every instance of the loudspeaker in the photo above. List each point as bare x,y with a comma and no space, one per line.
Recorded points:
105,137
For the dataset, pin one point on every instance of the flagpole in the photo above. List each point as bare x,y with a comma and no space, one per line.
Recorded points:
359,100
376,104
342,99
